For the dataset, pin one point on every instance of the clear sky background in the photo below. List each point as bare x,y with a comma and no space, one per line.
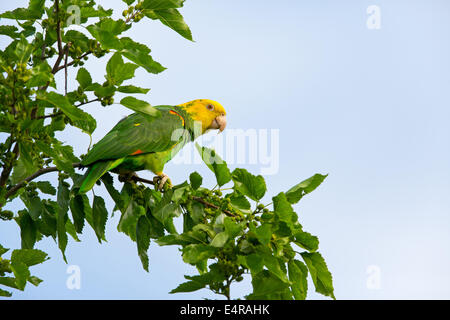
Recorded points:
369,107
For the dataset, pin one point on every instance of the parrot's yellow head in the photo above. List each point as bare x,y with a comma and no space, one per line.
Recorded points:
211,114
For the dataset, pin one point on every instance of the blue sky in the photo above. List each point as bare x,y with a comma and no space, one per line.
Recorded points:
369,107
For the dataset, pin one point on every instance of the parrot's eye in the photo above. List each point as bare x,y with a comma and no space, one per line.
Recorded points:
210,107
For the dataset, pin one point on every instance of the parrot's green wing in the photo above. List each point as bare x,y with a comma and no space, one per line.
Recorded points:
137,134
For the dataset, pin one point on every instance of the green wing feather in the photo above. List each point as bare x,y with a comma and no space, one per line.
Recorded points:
138,131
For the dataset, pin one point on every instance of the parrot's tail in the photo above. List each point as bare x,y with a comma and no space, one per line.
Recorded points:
94,173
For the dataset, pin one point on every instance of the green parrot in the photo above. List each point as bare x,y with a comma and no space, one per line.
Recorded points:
144,142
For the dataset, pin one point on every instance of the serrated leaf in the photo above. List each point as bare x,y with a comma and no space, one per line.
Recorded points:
10,31
80,118
265,285
172,18
283,210
61,217
298,274
132,89
220,240
298,191
196,180
99,217
34,11
84,78
306,241
129,218
4,293
215,163
106,32
143,239
246,183
79,205
161,4
232,228
21,273
195,253
139,106
117,71
255,263
29,257
322,279
140,54
46,187
27,230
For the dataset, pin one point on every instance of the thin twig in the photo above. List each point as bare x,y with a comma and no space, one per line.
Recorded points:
72,62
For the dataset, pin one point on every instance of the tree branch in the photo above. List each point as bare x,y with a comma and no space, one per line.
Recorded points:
7,168
42,171
72,62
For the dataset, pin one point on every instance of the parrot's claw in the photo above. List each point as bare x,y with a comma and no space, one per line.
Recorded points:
128,176
161,180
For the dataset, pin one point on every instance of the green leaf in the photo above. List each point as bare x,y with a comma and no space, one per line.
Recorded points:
162,4
273,265
61,217
320,275
195,253
132,89
171,18
23,50
29,257
84,78
246,183
196,180
35,281
40,75
140,54
298,276
27,230
306,241
266,285
115,195
240,203
220,240
35,208
21,273
34,11
80,119
106,32
264,233
283,210
3,250
215,164
10,31
46,187
62,156
9,282
189,286
232,228
79,206
255,263
139,106
99,217
117,71
298,191
143,239
4,293
129,219
90,12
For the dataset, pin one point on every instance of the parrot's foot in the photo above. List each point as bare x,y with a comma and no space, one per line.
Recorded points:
161,180
128,176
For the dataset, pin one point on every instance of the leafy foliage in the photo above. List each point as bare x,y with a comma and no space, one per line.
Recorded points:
227,233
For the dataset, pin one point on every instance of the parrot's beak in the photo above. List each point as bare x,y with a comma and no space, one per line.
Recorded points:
220,123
